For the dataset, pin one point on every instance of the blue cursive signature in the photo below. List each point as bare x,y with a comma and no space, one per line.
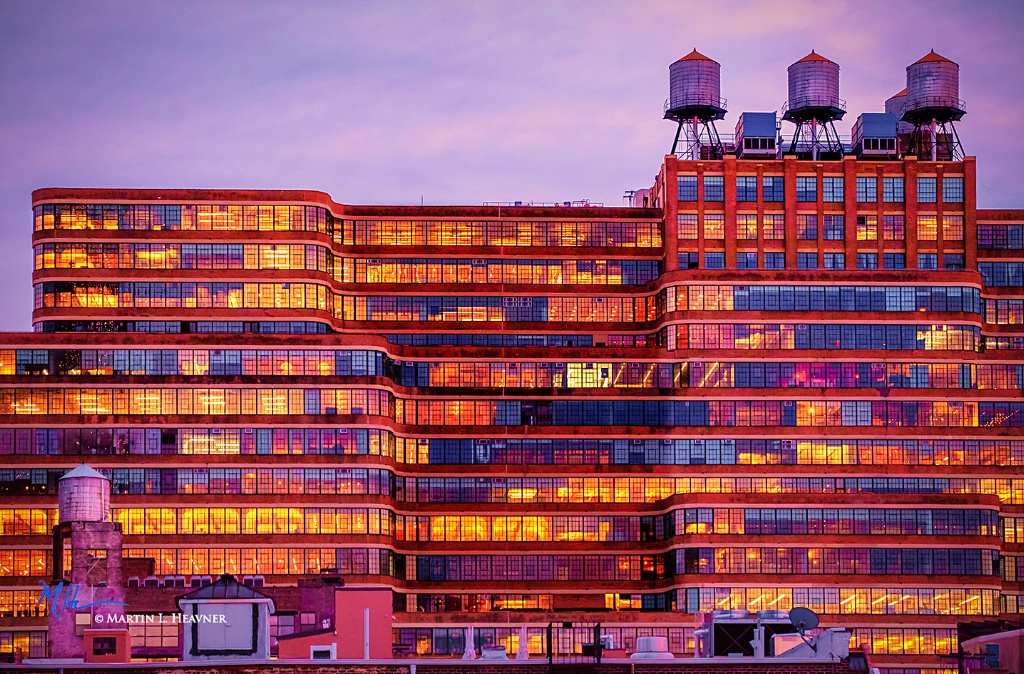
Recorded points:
70,599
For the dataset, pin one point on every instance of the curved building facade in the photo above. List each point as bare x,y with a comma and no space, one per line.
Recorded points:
790,383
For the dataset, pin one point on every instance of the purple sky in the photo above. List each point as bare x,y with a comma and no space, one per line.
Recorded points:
460,102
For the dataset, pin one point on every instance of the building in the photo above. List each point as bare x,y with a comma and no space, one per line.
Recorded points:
794,379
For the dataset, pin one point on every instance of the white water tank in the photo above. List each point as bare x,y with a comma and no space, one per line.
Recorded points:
83,496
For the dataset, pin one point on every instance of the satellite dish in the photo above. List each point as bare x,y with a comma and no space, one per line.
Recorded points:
803,619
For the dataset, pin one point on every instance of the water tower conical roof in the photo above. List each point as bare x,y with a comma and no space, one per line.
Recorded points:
83,471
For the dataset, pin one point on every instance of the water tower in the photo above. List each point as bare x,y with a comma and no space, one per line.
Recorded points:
895,105
84,496
94,577
814,105
695,103
933,104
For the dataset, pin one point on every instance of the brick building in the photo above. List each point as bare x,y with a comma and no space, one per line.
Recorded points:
787,381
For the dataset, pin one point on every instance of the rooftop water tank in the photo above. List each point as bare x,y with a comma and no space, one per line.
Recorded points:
83,496
814,88
894,106
695,88
933,88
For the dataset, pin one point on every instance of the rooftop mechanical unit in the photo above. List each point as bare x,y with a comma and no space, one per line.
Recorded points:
757,135
874,136
730,633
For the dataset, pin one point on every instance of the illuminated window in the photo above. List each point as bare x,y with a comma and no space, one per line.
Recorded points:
774,226
746,226
953,227
927,228
714,226
867,228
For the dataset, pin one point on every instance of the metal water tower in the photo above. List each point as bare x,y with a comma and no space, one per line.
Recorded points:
894,105
695,103
814,105
83,496
933,104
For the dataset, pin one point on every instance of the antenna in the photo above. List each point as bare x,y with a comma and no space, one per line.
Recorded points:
803,619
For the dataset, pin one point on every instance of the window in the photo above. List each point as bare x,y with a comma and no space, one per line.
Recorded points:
807,227
867,228
835,260
688,226
926,190
746,188
687,188
953,227
867,190
893,225
927,261
772,186
867,261
689,260
953,261
927,228
714,188
746,226
714,260
714,226
996,237
834,227
832,190
746,260
953,190
161,634
104,645
807,189
774,260
806,260
895,261
892,190
774,226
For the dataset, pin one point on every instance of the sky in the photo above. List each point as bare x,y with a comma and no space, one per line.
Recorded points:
392,102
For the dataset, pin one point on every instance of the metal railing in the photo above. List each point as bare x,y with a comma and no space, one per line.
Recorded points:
722,103
580,203
841,104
